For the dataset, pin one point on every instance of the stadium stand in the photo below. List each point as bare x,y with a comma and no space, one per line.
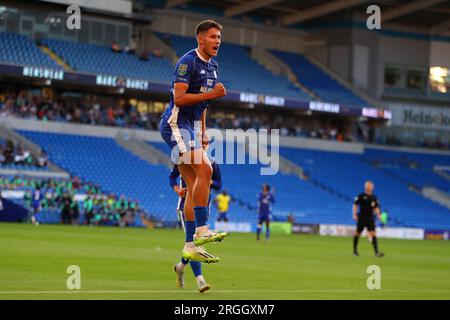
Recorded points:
326,198
113,168
312,77
15,157
105,209
99,59
332,169
233,60
21,50
411,168
311,204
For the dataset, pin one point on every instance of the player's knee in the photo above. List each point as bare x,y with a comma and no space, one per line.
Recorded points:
206,171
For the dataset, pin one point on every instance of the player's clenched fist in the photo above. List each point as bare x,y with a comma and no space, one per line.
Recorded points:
219,91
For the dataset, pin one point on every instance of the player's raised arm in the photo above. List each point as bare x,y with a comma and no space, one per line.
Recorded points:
184,99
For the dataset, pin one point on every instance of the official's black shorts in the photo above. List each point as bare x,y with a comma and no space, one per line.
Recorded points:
365,222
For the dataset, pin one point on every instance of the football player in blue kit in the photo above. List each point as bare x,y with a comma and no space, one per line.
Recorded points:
183,128
265,201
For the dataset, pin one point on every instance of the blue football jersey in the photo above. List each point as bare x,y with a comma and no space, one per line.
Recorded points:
265,202
201,76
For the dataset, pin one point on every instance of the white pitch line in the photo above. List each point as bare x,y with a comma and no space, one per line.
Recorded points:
219,291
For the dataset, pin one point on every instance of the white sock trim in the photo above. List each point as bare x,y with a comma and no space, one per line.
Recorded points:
200,279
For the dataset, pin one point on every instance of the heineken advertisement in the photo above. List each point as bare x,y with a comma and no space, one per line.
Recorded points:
422,117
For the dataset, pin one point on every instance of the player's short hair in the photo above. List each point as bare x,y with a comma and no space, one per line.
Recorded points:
205,25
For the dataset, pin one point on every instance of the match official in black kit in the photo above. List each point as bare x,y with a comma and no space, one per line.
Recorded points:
367,203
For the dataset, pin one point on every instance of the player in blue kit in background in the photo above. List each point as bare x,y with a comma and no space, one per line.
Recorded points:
265,200
181,190
183,128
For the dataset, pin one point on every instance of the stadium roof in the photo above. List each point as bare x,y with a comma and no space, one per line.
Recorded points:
433,15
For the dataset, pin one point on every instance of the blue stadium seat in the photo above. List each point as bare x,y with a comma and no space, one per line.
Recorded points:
311,76
115,169
21,50
406,208
98,59
308,203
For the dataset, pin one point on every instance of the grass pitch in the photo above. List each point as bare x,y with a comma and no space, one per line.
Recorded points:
137,264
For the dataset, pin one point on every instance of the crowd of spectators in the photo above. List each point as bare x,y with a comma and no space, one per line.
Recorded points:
286,127
88,110
17,154
73,199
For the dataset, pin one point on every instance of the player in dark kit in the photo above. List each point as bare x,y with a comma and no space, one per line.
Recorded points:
368,204
265,201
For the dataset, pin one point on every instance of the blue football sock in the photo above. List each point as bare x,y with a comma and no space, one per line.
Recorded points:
196,267
201,216
190,230
267,233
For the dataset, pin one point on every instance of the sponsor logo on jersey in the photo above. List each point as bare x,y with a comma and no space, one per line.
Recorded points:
204,89
202,71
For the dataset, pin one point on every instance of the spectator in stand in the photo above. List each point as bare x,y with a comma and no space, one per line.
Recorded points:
122,208
76,183
66,209
157,52
42,159
9,152
19,158
37,198
116,48
333,134
88,207
2,156
74,211
7,109
132,46
23,156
